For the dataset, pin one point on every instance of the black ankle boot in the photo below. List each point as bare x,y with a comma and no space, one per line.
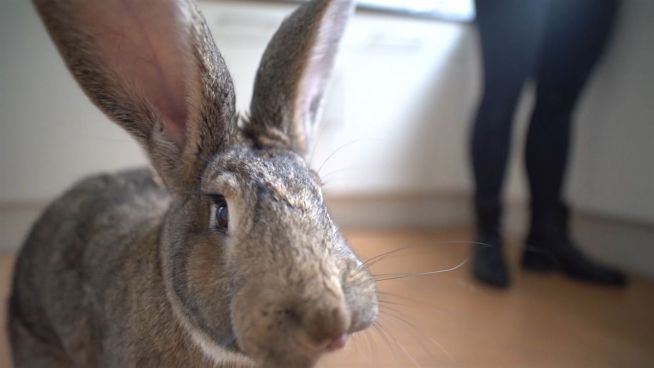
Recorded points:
488,262
488,251
549,248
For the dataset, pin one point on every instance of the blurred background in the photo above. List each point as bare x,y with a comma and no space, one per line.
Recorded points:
392,150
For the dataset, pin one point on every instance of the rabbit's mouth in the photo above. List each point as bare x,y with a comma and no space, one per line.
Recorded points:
232,345
304,352
327,346
338,342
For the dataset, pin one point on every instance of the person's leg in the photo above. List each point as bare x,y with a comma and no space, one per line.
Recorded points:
574,38
509,32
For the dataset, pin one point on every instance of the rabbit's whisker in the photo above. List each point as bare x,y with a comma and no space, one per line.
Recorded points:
418,335
383,302
415,333
340,148
386,294
374,259
367,335
321,130
413,360
326,179
393,276
371,346
385,337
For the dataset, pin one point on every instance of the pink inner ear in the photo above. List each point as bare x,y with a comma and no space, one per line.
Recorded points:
146,44
312,97
321,61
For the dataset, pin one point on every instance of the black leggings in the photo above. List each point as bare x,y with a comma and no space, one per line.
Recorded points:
557,42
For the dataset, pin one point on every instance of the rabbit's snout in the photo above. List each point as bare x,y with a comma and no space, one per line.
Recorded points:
314,317
294,321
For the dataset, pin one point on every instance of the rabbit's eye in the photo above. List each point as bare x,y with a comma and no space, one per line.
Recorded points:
221,215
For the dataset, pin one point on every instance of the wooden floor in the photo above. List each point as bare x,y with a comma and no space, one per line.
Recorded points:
447,320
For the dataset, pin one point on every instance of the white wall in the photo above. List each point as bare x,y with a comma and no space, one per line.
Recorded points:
613,170
396,121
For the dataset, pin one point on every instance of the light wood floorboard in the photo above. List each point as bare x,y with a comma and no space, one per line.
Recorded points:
447,320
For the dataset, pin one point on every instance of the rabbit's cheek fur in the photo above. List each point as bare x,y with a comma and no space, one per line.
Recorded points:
195,272
361,296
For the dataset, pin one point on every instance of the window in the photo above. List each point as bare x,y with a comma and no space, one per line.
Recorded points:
455,10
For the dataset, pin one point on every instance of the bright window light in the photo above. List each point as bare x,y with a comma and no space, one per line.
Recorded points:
461,10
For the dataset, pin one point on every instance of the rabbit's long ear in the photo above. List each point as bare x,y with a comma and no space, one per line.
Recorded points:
152,66
293,73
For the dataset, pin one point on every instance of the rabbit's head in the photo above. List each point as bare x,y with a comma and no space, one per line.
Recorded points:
252,262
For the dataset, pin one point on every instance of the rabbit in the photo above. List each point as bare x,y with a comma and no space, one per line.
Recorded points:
223,253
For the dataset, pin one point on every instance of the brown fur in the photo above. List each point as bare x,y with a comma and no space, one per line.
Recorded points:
121,271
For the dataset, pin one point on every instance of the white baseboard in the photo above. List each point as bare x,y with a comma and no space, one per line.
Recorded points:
400,210
626,244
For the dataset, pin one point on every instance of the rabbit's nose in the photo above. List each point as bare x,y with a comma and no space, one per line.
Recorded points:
327,326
